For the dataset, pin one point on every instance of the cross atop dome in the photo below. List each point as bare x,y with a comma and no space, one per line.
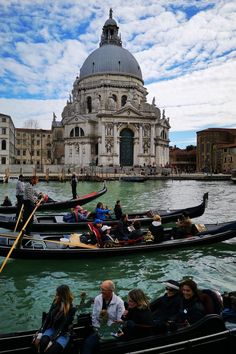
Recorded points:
110,13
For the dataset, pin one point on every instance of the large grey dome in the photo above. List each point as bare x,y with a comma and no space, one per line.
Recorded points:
110,59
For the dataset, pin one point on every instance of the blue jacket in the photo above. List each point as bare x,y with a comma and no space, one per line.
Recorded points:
101,213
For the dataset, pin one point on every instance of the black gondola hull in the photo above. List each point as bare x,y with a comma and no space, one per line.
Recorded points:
204,333
55,222
59,205
42,248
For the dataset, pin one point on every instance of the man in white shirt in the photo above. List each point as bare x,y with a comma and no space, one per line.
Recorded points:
106,305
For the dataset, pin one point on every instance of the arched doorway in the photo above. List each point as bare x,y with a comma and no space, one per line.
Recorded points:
126,147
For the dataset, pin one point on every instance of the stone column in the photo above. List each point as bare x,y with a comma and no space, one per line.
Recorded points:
102,145
116,146
152,147
140,139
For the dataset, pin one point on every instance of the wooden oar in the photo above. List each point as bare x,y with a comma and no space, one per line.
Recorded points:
20,234
19,216
77,243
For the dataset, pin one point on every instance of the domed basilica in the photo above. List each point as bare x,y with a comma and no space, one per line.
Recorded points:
107,120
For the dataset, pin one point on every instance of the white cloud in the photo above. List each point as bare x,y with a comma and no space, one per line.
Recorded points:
198,100
44,45
39,110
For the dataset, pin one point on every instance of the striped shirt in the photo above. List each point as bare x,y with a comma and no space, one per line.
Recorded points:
30,193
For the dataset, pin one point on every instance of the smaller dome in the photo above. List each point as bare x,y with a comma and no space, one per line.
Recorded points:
110,22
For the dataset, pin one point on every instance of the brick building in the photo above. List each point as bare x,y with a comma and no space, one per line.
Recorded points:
216,149
183,160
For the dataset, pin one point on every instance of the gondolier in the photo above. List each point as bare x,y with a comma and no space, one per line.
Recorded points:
30,198
20,187
74,185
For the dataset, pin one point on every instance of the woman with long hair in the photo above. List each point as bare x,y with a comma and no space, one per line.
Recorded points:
192,308
54,334
138,317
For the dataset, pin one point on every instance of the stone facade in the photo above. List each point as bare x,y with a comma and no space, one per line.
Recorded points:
7,140
33,146
107,120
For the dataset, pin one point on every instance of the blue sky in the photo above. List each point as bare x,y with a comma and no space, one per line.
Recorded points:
186,50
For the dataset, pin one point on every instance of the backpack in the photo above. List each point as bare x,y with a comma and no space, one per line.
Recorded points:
69,217
216,300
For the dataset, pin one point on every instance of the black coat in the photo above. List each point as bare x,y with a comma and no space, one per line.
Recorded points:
166,307
157,232
139,323
121,231
118,211
57,320
191,310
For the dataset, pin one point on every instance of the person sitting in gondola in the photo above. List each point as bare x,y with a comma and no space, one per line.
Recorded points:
183,227
123,228
80,213
6,201
138,318
137,233
101,212
54,335
96,232
118,210
107,238
166,307
108,309
156,228
194,304
77,213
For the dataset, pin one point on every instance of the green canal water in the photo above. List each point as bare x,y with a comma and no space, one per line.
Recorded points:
27,286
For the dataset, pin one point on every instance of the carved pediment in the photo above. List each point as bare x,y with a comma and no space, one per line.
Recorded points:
128,111
76,119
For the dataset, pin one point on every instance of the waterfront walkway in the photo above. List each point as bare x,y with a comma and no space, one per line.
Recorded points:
108,176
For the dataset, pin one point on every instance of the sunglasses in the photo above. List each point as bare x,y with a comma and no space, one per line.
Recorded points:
169,289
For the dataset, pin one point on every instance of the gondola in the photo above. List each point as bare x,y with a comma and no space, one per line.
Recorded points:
68,246
233,176
134,178
56,223
60,205
211,332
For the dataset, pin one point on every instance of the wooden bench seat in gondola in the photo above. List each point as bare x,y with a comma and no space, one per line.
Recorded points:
46,219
